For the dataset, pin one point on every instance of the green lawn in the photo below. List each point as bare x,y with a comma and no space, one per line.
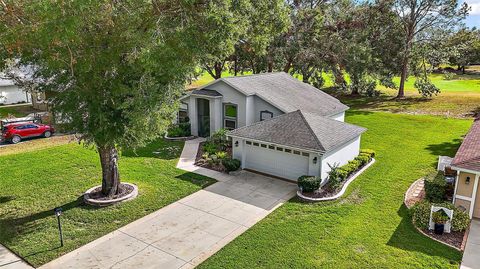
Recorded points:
17,111
370,227
33,183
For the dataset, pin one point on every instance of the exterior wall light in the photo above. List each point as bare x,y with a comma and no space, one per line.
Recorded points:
315,160
236,143
467,180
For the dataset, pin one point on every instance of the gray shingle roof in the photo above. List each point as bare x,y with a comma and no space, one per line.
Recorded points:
206,92
287,93
301,130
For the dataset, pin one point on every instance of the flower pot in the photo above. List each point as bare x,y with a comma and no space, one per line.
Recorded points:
439,227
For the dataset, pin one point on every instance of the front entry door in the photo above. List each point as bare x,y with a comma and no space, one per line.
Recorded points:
203,112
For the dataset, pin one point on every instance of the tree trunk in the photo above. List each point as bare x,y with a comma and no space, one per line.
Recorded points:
355,81
287,66
463,69
110,175
218,67
403,78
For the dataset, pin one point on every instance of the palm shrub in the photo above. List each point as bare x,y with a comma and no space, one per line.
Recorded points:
308,183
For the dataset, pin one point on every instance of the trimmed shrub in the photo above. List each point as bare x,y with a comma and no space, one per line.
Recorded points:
363,159
421,216
220,139
179,130
231,164
308,183
370,152
435,188
210,148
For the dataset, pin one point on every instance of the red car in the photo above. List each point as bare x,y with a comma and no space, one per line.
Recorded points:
15,132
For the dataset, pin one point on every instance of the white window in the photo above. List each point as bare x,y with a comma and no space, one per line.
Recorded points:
265,115
230,116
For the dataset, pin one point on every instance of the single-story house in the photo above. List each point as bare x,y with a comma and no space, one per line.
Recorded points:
12,94
279,125
467,164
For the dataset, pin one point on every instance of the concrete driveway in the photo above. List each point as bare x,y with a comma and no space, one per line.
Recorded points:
471,255
188,231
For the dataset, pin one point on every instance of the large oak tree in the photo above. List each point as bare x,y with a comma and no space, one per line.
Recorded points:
117,68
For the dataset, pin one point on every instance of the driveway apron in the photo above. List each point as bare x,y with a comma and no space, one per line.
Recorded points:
185,233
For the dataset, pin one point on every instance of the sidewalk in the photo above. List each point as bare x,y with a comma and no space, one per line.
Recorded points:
471,255
8,260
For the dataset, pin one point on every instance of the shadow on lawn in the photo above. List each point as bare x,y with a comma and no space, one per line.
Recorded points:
6,199
161,149
199,180
406,237
444,149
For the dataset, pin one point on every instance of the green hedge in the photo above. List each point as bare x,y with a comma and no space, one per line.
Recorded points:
421,215
308,183
435,188
231,164
339,174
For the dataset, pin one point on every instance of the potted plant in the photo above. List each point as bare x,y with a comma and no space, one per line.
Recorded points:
439,218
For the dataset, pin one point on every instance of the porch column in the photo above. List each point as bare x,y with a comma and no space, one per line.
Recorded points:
216,114
192,114
474,195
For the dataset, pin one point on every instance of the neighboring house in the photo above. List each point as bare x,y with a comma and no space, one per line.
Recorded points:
12,94
467,165
280,126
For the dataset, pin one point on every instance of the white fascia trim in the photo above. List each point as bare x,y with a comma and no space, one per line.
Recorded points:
465,170
205,96
285,146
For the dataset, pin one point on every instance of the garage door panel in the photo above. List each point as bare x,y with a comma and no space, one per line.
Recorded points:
277,163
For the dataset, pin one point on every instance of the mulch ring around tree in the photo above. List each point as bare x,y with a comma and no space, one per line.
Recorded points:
123,190
203,163
95,197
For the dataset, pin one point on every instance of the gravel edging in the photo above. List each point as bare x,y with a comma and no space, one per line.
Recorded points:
341,192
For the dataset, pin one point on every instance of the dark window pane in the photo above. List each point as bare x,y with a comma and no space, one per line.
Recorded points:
271,147
230,124
255,144
263,146
249,143
288,150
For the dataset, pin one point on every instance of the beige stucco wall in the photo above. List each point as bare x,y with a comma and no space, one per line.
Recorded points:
464,189
466,204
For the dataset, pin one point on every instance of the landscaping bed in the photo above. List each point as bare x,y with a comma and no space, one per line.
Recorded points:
216,153
429,191
338,177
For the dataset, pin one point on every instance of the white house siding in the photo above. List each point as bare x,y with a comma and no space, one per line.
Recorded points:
230,95
340,156
340,116
261,105
12,95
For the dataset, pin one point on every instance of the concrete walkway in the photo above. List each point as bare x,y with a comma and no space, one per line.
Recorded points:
471,255
8,260
185,233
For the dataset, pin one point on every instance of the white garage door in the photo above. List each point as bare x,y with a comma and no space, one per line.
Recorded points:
276,161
